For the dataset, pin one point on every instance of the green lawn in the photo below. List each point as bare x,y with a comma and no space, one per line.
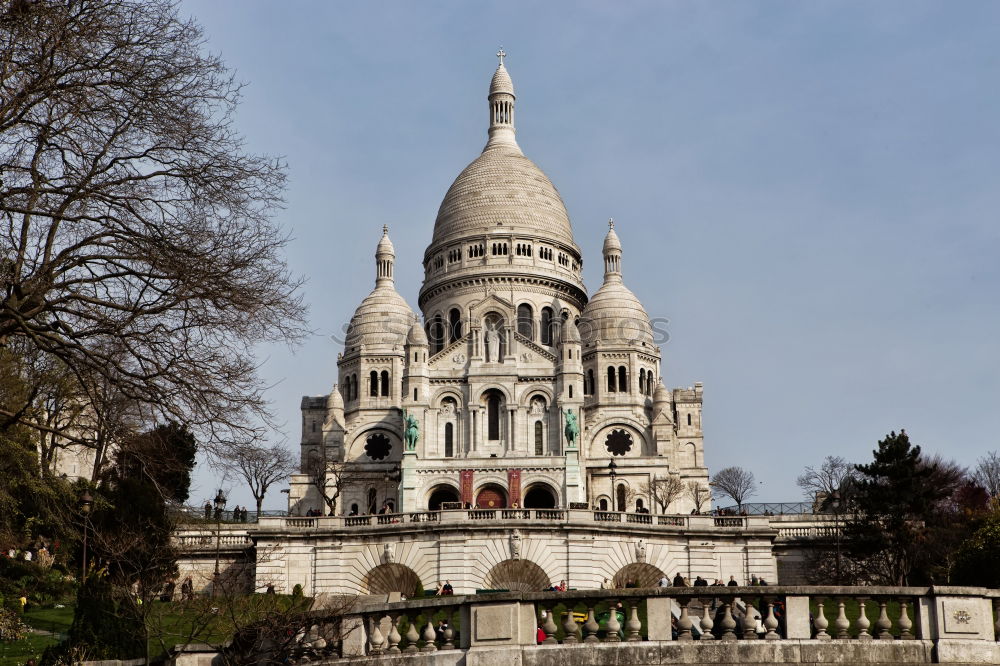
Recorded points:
56,620
15,653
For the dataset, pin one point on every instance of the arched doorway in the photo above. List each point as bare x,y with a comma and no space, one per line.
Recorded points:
491,497
517,576
386,578
539,496
637,574
440,494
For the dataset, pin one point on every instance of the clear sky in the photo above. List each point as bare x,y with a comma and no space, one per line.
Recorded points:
807,191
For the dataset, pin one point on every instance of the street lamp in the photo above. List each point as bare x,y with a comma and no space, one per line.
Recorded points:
835,504
220,504
612,473
86,501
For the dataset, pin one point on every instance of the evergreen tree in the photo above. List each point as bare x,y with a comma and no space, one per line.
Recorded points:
895,502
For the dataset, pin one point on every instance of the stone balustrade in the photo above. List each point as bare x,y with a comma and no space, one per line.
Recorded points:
749,624
235,538
686,522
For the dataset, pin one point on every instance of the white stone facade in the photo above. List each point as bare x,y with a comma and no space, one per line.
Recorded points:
509,348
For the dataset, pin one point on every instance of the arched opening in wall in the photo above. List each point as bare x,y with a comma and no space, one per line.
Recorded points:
539,496
440,494
588,386
539,439
602,503
526,321
637,574
620,497
688,458
612,386
622,380
373,384
493,400
491,496
642,381
354,387
387,578
372,500
454,324
517,576
449,440
547,326
385,383
436,335
639,505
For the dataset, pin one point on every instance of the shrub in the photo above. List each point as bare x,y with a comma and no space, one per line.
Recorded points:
12,627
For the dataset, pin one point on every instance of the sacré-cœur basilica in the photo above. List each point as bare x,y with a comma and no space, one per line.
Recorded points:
514,433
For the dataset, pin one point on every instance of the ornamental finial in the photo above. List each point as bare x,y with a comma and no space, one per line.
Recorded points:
611,223
385,229
501,54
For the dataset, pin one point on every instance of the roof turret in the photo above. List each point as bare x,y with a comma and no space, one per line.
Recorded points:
383,319
614,314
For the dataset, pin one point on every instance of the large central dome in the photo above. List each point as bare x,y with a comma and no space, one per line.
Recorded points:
502,221
504,188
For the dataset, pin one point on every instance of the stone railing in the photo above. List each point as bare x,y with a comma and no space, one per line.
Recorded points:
205,539
746,624
533,516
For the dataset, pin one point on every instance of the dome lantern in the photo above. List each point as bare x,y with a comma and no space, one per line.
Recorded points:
501,100
385,256
612,254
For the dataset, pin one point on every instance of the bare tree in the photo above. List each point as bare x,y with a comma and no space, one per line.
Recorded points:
663,490
987,473
329,478
261,467
735,483
828,479
699,495
137,241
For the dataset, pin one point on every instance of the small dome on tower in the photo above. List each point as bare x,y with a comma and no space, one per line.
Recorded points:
661,395
611,241
383,319
614,314
416,337
335,400
570,333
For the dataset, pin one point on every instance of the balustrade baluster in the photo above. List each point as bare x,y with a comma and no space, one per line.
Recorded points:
684,622
393,636
750,623
549,627
429,636
863,622
883,624
904,621
771,623
613,626
590,626
375,637
842,624
570,627
412,636
820,622
728,623
448,634
633,626
706,621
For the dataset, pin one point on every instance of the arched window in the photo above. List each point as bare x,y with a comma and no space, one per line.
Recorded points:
373,384
622,380
611,378
354,387
354,509
454,324
449,440
385,382
571,390
493,416
620,497
588,387
539,441
437,338
525,321
638,505
642,380
547,326
689,419
603,504
372,501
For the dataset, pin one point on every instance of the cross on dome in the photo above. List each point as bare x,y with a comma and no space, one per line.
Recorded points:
611,223
501,54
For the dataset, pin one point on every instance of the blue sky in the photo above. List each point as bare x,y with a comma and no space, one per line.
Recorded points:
806,191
